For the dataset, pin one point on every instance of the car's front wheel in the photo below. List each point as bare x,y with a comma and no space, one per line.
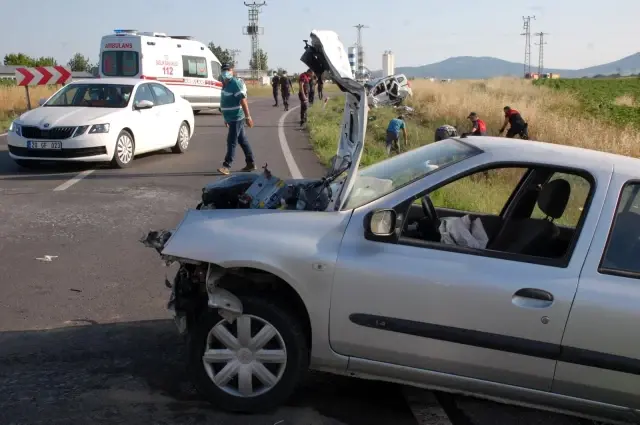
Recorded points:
125,148
250,365
184,135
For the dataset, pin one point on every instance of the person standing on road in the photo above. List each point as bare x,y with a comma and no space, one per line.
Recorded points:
518,125
285,89
320,88
393,133
303,95
312,86
275,81
235,112
479,126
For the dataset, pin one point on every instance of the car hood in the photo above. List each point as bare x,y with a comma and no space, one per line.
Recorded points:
324,52
56,116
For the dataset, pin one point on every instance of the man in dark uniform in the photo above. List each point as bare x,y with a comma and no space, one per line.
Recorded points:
312,86
518,125
275,81
303,95
320,88
285,89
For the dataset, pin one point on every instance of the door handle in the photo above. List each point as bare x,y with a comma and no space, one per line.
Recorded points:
532,298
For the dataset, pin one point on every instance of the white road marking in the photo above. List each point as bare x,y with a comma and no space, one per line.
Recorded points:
425,407
66,185
288,157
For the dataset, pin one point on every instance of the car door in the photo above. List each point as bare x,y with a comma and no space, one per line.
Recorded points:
601,350
144,121
429,306
168,114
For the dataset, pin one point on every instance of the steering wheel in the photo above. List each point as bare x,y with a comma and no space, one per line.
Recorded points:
430,212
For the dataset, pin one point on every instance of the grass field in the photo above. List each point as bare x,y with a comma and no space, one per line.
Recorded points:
555,114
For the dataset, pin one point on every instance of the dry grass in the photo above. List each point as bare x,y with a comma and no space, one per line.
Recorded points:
625,100
13,101
553,116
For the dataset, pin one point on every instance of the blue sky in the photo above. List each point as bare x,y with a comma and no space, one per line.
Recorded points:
581,32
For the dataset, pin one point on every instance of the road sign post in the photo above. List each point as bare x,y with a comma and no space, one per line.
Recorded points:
41,76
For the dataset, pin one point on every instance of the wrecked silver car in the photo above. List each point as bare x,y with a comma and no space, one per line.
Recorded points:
388,91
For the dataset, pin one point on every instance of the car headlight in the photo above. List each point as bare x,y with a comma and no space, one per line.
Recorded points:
80,130
99,128
15,128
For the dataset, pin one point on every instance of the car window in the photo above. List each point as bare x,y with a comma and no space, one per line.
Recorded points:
485,192
194,67
92,96
216,69
144,93
162,94
382,178
118,63
623,247
580,188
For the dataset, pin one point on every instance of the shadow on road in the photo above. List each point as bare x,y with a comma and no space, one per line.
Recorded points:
134,372
8,167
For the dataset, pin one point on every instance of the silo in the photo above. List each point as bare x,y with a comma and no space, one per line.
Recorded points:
388,63
353,51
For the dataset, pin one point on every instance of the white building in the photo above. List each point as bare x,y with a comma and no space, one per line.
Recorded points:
388,63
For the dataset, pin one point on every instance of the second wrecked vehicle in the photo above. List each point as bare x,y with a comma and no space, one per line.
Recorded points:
388,91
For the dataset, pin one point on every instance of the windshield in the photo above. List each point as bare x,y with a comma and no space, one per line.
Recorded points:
380,179
92,95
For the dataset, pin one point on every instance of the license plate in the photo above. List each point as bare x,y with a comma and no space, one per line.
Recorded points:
44,145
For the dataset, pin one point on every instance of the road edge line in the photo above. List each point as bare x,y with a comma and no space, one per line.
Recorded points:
425,407
75,179
3,134
284,145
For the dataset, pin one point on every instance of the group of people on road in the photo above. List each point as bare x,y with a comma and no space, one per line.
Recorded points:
308,82
512,118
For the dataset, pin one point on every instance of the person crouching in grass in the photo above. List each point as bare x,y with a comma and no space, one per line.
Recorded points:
393,133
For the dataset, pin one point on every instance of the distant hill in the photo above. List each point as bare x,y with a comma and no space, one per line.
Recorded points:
471,67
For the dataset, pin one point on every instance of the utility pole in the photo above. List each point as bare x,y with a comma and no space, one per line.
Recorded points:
527,44
234,53
360,73
254,30
541,52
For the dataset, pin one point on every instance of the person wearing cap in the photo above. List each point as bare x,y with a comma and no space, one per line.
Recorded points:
518,125
235,112
275,82
479,126
303,95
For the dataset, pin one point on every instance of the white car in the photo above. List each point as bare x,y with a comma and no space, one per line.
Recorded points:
391,90
100,121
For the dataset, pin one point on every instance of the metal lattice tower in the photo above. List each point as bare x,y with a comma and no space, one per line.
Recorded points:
527,44
541,52
360,68
234,53
255,31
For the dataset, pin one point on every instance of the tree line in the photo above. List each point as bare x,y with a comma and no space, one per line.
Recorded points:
77,63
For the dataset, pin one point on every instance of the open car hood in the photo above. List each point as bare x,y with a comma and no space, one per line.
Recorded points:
325,52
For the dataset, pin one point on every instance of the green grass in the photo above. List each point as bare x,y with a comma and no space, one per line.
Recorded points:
5,120
601,97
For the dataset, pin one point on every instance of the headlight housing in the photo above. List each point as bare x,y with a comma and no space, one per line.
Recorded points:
99,128
15,128
80,130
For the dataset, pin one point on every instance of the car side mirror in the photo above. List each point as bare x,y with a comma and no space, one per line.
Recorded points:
380,225
144,104
42,101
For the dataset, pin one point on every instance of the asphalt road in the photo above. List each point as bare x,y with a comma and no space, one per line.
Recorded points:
85,337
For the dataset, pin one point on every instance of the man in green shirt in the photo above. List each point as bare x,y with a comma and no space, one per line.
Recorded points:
235,112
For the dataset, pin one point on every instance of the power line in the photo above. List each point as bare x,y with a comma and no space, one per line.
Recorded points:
541,43
360,73
527,44
234,53
255,30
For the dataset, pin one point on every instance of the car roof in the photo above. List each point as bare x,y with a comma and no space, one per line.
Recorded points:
504,149
112,80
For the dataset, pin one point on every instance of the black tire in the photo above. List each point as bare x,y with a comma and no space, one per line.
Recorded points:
182,147
25,163
297,362
117,162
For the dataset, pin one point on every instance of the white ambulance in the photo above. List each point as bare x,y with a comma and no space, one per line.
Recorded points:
186,65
